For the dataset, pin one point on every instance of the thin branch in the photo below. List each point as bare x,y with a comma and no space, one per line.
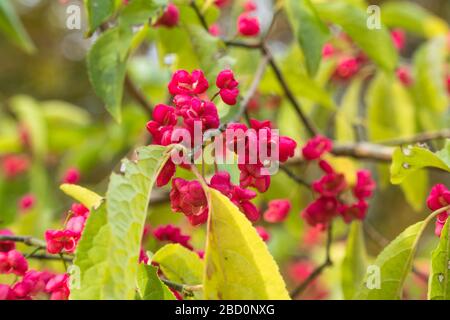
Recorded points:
134,91
294,177
242,44
46,256
29,241
183,288
199,15
364,150
318,271
310,127
421,137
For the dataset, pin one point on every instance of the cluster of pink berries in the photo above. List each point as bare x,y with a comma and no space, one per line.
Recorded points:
439,198
333,198
190,106
66,240
30,284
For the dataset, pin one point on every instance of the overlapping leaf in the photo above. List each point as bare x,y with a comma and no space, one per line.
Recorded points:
238,263
407,160
439,280
108,252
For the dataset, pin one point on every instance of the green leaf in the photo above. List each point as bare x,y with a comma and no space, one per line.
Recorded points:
347,114
406,160
140,11
108,252
106,64
179,264
150,287
429,75
354,264
13,29
415,189
92,258
376,43
98,11
86,197
413,18
107,59
30,115
310,31
394,263
391,112
238,263
439,280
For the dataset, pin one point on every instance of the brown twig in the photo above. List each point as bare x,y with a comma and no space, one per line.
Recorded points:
294,177
279,75
29,241
310,127
183,288
45,256
364,150
318,271
421,137
137,95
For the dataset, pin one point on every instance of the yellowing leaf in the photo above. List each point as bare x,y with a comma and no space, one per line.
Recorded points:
108,252
238,263
179,264
85,196
439,281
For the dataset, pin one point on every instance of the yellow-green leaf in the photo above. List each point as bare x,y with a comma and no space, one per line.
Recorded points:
13,29
238,263
108,252
439,281
354,264
393,265
85,196
413,18
406,160
179,264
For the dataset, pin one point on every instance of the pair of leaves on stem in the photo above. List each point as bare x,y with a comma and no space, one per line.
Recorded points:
237,263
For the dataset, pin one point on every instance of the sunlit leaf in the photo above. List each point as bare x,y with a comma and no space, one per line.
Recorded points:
439,280
406,160
13,29
376,43
85,196
310,31
429,75
391,112
179,264
413,18
393,265
238,263
108,252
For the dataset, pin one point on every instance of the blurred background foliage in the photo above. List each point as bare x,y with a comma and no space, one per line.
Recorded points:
50,113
